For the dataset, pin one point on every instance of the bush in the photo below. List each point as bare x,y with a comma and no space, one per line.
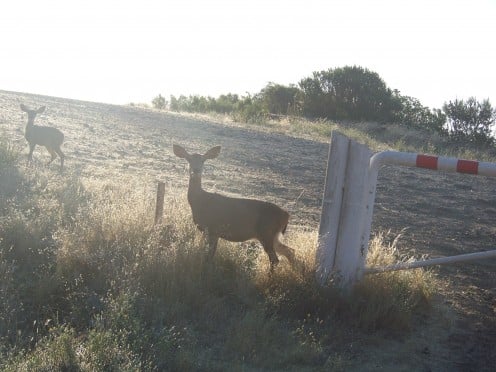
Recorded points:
159,102
470,121
281,100
190,103
348,93
413,114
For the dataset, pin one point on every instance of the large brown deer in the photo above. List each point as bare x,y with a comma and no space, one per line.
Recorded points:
234,219
49,137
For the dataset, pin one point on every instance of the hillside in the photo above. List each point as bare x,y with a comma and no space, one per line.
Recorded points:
436,214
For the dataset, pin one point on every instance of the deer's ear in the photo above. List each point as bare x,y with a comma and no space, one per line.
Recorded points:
180,152
212,153
41,109
24,108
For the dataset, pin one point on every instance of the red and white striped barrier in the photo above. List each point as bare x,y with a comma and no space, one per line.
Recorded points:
348,204
428,162
433,162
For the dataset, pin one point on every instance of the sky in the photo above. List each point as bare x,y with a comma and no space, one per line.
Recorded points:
132,50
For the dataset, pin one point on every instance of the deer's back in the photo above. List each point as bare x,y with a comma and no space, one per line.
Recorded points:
44,136
237,219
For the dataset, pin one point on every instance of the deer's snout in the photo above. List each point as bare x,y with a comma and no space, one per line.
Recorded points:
195,172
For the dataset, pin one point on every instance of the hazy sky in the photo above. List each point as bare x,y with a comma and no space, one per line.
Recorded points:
131,50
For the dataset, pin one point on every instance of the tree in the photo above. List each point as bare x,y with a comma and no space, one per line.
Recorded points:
414,114
280,99
470,120
350,92
317,98
159,102
226,103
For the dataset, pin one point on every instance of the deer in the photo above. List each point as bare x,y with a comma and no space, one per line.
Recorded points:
49,137
233,219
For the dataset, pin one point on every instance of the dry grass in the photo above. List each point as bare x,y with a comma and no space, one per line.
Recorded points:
378,137
392,297
82,270
88,283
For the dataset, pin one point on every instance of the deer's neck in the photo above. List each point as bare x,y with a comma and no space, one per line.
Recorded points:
29,127
194,188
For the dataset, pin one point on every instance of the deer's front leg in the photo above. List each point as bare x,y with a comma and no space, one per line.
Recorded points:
212,240
31,149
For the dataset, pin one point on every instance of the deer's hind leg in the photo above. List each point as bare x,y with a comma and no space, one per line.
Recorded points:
268,245
52,154
286,251
61,155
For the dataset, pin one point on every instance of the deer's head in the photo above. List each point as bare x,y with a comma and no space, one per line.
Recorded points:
196,161
32,113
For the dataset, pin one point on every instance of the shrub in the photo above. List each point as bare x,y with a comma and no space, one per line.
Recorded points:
281,100
470,121
347,93
413,114
159,102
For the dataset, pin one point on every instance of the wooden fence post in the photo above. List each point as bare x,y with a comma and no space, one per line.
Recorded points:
341,252
348,203
159,207
350,252
331,206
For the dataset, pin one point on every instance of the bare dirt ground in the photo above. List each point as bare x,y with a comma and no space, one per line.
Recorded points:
444,214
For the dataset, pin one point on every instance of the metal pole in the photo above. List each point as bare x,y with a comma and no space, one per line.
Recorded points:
432,262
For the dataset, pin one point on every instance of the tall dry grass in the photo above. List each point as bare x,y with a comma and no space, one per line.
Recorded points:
376,136
88,283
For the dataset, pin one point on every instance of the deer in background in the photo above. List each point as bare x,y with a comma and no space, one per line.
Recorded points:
233,219
49,137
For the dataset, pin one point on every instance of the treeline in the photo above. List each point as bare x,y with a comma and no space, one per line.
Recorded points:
350,93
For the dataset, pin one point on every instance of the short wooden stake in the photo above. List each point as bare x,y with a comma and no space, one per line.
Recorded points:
159,208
